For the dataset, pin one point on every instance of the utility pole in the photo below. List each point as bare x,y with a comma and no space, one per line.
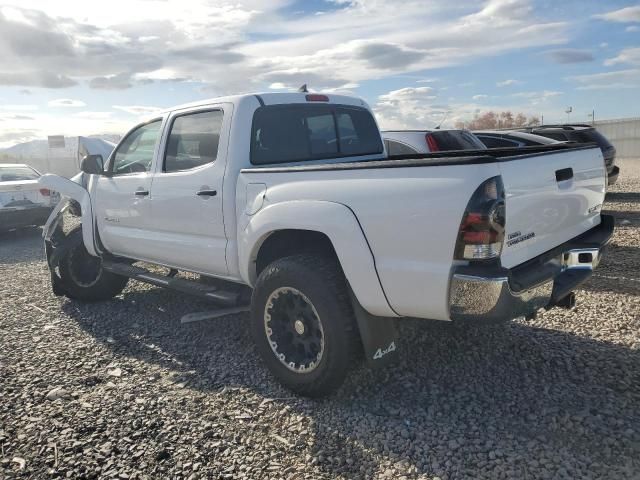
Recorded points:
568,112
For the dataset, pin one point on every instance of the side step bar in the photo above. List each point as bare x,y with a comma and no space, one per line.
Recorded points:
191,287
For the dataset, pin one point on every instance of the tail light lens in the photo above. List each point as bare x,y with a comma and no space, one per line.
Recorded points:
481,233
315,97
432,143
45,192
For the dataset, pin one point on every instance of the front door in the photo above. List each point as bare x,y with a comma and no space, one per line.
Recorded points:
186,193
122,206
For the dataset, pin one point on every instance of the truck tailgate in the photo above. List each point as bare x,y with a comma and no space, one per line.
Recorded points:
550,198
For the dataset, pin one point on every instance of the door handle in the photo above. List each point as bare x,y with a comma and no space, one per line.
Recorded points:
207,193
564,174
142,193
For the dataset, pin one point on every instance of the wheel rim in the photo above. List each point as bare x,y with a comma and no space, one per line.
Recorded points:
294,330
85,269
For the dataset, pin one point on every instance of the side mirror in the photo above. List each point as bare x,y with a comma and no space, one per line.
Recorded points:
92,164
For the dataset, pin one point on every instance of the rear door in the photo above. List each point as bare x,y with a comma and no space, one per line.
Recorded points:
186,193
550,198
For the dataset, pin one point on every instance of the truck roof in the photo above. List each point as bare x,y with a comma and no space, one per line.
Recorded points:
273,98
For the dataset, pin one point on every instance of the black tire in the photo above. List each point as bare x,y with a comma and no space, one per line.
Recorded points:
83,277
319,282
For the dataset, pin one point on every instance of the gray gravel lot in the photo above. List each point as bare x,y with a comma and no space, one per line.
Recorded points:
123,390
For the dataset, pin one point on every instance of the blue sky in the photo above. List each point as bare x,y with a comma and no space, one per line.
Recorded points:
80,68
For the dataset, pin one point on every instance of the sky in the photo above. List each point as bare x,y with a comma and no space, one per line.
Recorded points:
96,67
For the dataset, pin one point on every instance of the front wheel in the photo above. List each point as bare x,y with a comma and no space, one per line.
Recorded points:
303,323
83,277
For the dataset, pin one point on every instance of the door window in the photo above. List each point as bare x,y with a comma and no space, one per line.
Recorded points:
193,140
135,153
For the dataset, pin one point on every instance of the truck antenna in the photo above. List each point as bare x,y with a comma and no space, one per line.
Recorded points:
442,121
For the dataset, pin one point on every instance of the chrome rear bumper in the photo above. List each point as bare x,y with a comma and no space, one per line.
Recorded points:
475,295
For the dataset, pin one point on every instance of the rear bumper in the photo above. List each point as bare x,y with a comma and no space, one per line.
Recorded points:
612,176
23,217
494,294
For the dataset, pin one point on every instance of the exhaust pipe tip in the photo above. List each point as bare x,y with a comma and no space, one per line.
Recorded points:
568,301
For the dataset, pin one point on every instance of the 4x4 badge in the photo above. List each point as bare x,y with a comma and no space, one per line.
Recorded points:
381,353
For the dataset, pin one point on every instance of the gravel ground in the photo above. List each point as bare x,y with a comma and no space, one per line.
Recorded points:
123,390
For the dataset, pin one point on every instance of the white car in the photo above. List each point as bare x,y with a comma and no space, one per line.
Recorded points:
408,142
23,201
291,203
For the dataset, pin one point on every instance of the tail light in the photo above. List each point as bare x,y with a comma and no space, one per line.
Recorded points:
432,143
45,192
315,97
481,233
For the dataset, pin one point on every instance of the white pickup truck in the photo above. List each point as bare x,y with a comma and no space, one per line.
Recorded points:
289,203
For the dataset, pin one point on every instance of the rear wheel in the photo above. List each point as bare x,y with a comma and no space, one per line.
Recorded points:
84,278
303,324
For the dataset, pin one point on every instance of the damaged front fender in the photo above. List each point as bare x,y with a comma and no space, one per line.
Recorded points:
71,190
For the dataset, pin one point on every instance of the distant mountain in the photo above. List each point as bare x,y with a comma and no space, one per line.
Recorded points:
109,137
31,149
37,149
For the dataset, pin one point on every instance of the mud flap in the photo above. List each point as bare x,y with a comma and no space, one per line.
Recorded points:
379,336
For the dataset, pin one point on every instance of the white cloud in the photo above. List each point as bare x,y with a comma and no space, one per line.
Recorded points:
411,108
536,98
251,44
624,15
608,80
18,108
94,115
632,28
66,102
508,83
629,56
480,97
138,110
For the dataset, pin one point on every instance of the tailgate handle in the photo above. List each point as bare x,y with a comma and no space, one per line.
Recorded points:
564,174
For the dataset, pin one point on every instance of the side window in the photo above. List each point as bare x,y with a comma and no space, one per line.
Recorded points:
397,148
497,142
135,153
193,140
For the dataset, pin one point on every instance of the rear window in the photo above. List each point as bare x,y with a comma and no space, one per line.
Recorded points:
397,148
296,133
14,174
555,135
590,135
457,140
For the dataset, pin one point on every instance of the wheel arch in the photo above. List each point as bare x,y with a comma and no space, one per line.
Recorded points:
288,228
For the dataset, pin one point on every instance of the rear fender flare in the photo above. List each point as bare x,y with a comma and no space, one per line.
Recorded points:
339,224
70,189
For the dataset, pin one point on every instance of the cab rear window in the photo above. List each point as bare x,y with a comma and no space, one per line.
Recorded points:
300,132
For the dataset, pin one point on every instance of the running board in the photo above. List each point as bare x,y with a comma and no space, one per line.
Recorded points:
191,287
